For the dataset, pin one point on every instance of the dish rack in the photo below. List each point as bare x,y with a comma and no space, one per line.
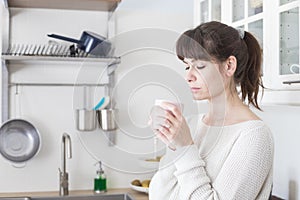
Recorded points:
50,49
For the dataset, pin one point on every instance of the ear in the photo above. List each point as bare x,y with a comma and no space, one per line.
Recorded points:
230,66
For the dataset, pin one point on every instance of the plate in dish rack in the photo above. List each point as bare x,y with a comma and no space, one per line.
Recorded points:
139,188
148,163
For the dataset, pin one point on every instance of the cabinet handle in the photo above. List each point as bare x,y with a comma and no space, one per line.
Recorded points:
290,82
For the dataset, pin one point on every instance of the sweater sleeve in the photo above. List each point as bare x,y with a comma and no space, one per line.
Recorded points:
241,177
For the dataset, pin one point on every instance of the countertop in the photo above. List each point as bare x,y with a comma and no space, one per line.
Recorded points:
135,194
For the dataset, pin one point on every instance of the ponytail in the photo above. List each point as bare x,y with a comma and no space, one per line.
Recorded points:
250,79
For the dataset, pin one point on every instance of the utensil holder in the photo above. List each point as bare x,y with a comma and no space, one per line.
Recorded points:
86,120
106,119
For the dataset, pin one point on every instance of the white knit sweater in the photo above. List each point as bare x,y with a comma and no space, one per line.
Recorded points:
229,162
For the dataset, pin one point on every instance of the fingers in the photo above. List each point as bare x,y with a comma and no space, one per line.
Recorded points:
174,109
165,140
167,132
165,121
160,117
162,137
159,122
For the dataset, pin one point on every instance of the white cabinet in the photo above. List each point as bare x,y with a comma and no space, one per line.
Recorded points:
275,23
282,45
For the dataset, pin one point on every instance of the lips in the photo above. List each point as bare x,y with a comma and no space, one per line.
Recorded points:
195,89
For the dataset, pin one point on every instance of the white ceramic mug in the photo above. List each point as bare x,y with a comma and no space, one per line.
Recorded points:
158,102
293,67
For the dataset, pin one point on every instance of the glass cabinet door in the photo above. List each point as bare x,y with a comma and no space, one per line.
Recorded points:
204,11
207,10
238,8
254,7
282,2
241,9
289,41
256,28
249,14
216,10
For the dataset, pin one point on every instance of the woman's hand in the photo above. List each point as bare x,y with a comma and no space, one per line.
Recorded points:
170,126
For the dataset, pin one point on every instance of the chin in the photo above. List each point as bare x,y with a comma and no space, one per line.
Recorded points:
198,97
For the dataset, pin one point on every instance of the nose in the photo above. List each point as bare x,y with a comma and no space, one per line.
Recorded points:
190,75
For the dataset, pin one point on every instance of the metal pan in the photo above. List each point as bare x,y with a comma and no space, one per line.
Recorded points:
89,42
19,139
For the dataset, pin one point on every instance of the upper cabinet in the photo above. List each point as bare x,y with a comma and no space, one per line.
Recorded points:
275,23
283,44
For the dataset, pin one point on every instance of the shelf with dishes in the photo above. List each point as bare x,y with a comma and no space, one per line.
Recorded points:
53,52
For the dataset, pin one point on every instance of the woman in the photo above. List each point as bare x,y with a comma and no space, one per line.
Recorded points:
226,153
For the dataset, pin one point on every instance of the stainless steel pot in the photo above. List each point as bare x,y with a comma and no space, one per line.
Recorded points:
86,120
106,119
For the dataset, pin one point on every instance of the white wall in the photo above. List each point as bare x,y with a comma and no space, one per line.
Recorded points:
284,123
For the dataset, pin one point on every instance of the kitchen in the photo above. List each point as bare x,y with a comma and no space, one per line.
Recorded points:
51,108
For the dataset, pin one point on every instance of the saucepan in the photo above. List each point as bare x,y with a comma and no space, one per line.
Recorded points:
19,140
89,42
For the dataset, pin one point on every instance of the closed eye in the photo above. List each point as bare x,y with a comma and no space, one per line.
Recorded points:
200,67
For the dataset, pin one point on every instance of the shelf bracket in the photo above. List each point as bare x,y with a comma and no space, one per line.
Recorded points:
5,26
4,92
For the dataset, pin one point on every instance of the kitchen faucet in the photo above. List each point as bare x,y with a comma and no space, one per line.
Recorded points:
63,175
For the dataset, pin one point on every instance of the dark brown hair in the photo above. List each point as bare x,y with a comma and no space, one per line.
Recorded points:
217,41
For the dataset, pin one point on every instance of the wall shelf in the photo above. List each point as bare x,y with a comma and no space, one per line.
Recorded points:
17,58
60,84
110,60
96,5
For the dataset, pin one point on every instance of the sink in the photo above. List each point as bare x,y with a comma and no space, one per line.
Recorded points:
79,197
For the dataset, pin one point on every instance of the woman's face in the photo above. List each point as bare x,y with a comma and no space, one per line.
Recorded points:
204,78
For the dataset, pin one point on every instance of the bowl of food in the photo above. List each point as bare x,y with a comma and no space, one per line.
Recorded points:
140,186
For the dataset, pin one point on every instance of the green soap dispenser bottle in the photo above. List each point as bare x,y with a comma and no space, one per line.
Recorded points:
100,180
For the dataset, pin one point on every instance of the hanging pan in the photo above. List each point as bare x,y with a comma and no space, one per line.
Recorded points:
19,139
